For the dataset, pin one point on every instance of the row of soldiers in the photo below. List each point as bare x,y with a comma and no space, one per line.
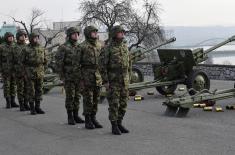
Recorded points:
22,69
82,67
85,67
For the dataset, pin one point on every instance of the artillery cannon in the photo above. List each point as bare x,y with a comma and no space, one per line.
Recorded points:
177,67
196,81
139,55
181,105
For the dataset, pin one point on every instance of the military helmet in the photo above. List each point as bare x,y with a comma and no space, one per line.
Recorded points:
72,30
8,34
33,35
20,33
115,30
88,30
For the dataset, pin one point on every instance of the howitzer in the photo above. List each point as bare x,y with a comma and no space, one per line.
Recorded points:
177,67
139,55
178,64
180,106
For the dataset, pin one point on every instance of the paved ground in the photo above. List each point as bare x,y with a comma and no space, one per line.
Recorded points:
201,133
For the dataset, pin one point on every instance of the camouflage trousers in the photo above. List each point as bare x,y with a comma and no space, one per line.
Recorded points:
9,86
117,98
21,89
91,97
73,95
35,89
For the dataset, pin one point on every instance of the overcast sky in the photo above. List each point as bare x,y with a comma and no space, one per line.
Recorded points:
174,12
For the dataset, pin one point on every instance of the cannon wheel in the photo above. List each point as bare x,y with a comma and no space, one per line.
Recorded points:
136,76
170,111
182,112
165,90
197,80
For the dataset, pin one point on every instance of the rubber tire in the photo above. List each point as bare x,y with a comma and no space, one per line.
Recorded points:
140,75
192,76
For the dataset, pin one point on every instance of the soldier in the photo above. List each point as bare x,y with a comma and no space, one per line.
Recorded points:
19,70
65,68
34,61
6,68
91,79
114,63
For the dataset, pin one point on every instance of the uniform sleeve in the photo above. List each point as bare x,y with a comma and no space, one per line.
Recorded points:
103,63
129,58
59,60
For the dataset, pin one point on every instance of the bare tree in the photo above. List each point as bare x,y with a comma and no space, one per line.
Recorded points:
105,12
35,21
35,25
141,30
145,30
49,36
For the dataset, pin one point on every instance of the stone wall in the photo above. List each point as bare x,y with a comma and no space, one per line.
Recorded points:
216,72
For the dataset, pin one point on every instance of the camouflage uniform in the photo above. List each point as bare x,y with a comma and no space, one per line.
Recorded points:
115,68
19,72
6,68
65,68
91,78
34,61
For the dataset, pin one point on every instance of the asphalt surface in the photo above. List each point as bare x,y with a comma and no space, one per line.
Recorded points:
200,133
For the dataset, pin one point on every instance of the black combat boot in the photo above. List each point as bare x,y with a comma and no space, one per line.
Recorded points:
32,108
121,127
77,119
70,117
26,105
13,103
95,122
38,108
115,129
88,122
8,102
22,108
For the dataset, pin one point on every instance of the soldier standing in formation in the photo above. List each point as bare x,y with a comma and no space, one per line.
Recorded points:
6,68
87,57
19,70
65,68
114,61
34,61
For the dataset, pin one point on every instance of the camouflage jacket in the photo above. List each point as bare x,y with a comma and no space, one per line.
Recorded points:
34,60
89,61
64,61
114,64
17,59
6,58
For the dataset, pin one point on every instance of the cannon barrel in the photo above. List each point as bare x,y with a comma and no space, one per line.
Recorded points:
154,47
231,39
200,55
